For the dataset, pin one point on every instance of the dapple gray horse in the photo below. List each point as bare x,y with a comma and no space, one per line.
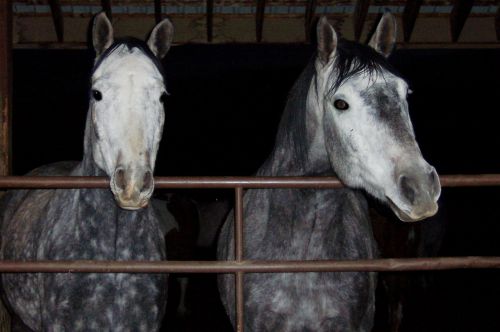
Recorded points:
347,115
123,130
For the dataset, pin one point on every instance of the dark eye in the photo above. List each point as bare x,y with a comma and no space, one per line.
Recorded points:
341,104
97,95
163,98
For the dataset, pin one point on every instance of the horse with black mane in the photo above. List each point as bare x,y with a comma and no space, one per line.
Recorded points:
347,115
123,130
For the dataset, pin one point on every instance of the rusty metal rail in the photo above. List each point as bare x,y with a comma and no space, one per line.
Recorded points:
68,182
238,253
240,266
248,266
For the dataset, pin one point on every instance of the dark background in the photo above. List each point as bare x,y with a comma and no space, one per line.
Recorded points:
222,115
226,101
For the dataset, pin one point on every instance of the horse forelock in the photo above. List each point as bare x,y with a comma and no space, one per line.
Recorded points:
352,59
130,44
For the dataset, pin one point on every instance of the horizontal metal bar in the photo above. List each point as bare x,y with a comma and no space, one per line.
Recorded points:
471,180
52,182
248,266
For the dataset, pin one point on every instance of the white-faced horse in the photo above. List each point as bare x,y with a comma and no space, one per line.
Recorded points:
347,115
123,130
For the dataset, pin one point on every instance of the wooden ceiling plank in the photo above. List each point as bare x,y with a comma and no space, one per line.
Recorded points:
412,45
57,18
410,14
360,13
459,13
308,21
259,19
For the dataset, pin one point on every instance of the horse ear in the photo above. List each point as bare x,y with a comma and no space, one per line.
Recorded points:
161,38
327,41
102,33
384,38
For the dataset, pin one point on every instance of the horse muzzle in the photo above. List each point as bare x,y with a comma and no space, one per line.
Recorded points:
416,195
132,188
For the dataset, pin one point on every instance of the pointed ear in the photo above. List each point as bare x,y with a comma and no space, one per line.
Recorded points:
327,41
102,33
384,38
161,38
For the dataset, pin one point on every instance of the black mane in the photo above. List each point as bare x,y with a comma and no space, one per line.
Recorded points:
292,129
353,58
131,43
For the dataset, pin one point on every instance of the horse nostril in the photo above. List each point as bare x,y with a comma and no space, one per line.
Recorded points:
147,181
434,180
407,188
120,178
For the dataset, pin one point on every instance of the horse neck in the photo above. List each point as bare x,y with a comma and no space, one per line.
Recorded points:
297,150
88,167
96,209
98,199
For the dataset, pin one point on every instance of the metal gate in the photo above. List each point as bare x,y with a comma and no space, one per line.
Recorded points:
240,266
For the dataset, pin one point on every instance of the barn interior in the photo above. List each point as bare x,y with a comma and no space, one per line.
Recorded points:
228,76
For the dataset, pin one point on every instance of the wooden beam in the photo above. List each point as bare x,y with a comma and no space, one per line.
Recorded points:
308,20
106,7
5,86
497,23
259,19
412,45
57,18
210,20
360,13
410,14
158,15
459,13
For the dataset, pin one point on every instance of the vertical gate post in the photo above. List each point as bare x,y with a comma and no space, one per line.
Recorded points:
5,85
5,110
238,247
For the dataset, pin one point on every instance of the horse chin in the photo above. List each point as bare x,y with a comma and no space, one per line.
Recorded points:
131,206
407,215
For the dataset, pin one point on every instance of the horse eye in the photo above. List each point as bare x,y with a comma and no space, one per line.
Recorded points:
341,104
97,94
163,97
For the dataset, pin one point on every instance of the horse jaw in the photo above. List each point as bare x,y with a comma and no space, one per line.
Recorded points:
400,178
412,193
415,214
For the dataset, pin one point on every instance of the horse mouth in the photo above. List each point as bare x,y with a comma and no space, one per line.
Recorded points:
130,206
410,216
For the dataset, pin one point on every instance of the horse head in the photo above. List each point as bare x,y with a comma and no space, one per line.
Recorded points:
366,131
126,112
